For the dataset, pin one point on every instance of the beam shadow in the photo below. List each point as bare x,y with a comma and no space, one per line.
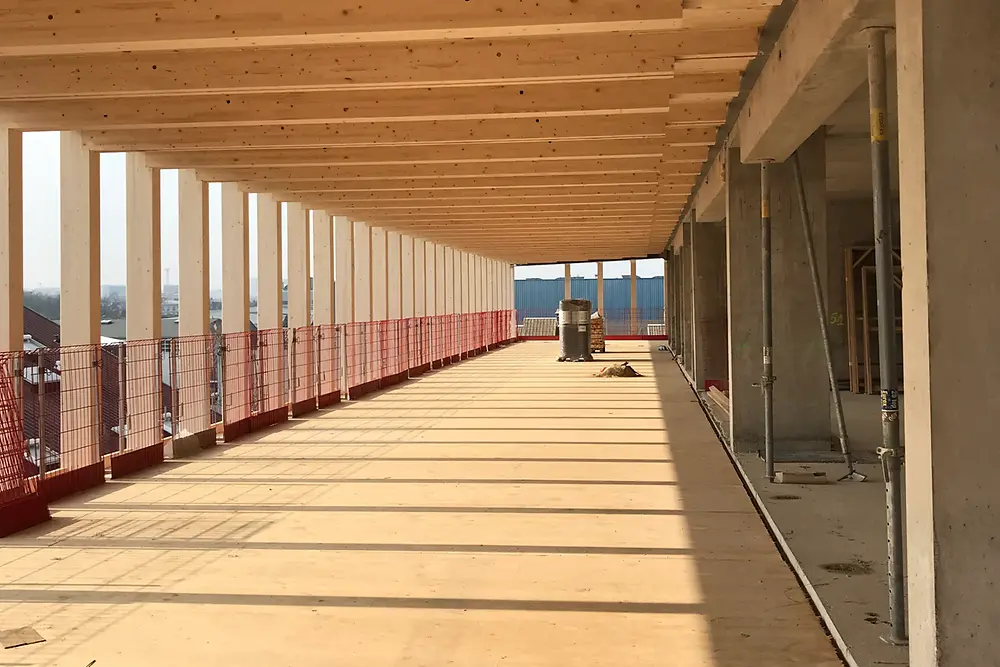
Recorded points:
372,602
388,480
215,545
265,508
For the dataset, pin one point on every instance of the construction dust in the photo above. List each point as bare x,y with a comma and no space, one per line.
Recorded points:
622,370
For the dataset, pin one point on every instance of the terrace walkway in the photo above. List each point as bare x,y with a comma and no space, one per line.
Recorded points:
505,511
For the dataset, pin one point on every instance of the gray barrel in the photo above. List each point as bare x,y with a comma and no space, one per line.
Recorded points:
574,330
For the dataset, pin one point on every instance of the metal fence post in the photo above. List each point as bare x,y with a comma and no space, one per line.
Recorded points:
767,376
122,412
40,378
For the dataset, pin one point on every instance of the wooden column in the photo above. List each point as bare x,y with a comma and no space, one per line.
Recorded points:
193,235
142,303
362,272
80,301
194,361
235,259
270,311
449,280
407,264
323,291
299,296
11,241
343,248
393,276
419,278
380,275
567,282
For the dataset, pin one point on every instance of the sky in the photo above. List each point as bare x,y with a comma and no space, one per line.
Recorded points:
41,225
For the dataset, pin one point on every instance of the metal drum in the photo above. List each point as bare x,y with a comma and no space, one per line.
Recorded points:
574,330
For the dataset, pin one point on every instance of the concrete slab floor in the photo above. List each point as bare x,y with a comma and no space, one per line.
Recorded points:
841,523
505,511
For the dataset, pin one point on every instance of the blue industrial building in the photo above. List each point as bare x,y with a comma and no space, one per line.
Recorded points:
538,297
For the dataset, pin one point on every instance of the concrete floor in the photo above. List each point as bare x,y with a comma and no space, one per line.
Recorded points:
506,511
841,523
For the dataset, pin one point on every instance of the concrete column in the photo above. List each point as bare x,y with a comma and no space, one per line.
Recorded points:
801,392
11,241
394,276
567,282
407,263
323,291
419,278
270,311
744,302
193,415
380,275
142,302
235,259
600,288
948,68
711,332
80,300
343,245
299,297
362,272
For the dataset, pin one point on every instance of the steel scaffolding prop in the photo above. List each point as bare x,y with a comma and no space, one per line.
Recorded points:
845,446
767,375
891,452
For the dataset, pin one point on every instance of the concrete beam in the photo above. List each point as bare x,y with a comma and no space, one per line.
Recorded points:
710,195
816,64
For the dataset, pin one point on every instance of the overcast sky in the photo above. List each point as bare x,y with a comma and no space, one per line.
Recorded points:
41,224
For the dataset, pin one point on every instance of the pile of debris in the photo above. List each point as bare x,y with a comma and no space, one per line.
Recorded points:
622,370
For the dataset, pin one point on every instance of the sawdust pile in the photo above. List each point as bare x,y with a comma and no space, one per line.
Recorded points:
622,370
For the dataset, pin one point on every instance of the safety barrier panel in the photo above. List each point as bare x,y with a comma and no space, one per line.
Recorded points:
71,415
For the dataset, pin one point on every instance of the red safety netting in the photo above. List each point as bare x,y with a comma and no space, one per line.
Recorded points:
362,362
253,373
329,363
302,368
193,377
420,344
21,504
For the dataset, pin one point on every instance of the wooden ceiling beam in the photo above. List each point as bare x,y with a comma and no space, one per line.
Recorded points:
68,26
418,156
344,66
441,102
459,184
604,165
482,130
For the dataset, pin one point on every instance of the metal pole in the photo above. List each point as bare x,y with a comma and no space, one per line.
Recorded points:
122,437
41,414
175,394
845,447
767,377
891,452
